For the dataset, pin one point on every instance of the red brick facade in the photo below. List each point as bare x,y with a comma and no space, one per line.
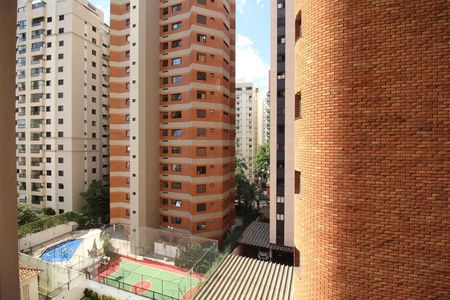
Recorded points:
373,149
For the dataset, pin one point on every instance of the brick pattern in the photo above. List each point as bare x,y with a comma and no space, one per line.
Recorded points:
372,218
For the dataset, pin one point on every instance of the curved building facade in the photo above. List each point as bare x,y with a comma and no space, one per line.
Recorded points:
172,115
372,149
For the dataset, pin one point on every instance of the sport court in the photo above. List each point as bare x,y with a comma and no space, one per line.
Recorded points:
150,279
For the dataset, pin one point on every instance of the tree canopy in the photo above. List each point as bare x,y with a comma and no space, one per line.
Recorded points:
96,201
262,160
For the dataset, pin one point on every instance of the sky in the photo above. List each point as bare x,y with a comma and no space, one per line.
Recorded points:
252,39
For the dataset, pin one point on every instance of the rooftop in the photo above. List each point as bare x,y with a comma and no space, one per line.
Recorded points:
257,235
26,272
239,277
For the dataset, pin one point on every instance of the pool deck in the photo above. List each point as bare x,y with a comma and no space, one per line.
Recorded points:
81,255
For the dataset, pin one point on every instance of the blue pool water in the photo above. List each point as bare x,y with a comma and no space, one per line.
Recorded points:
61,252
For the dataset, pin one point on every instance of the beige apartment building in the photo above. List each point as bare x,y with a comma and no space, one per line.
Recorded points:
247,123
61,101
263,119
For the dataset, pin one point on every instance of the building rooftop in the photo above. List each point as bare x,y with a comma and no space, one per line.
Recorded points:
26,272
257,235
239,277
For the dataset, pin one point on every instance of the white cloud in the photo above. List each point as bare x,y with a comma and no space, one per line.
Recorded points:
250,66
241,4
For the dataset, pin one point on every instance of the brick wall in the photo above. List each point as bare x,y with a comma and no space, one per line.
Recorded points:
372,219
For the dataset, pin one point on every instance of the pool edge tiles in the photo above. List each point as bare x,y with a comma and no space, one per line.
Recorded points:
61,252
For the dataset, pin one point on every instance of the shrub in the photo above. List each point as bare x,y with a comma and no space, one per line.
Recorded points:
52,221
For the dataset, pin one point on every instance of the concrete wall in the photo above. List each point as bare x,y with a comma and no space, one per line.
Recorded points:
45,235
76,292
9,275
32,285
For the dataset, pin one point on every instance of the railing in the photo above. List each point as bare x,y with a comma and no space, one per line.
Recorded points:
133,288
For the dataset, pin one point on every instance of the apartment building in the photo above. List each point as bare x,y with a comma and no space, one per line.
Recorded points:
372,167
263,119
281,85
172,115
247,124
61,102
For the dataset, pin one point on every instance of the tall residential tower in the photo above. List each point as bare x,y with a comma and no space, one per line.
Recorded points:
61,101
172,115
247,124
281,80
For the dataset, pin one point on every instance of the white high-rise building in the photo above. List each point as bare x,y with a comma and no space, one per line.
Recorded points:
61,101
246,123
263,119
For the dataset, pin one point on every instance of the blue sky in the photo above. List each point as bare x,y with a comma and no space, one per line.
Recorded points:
252,39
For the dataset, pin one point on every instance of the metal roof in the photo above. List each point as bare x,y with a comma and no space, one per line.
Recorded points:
257,235
239,277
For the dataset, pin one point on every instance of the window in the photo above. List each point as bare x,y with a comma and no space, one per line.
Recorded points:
297,182
201,38
280,217
165,11
298,26
60,186
176,220
201,95
61,30
176,114
176,44
176,8
201,19
201,170
177,132
176,168
176,25
201,207
165,219
176,97
165,80
176,61
201,131
176,79
298,106
61,17
201,113
201,226
176,150
176,185
176,203
165,63
201,188
201,57
201,76
201,151
165,167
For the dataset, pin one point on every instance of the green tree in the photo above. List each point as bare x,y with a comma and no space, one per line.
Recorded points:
96,201
245,190
25,215
262,160
194,256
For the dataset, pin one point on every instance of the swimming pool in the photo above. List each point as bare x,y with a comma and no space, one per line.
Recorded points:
61,252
